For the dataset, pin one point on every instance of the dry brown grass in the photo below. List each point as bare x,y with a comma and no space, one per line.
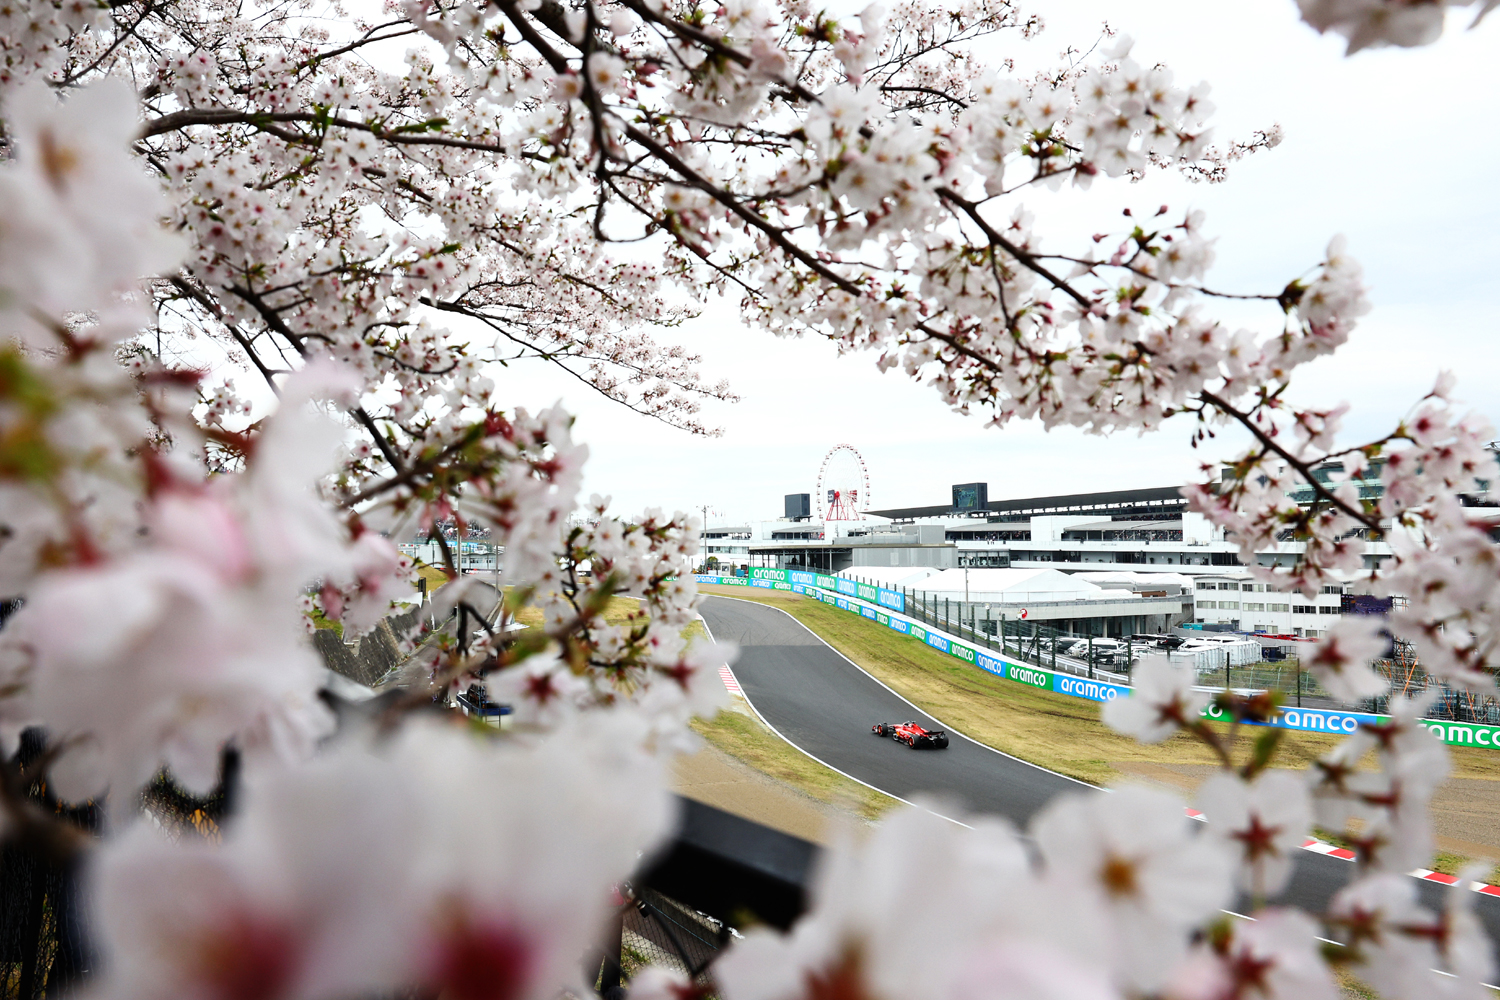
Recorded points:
745,738
618,611
435,577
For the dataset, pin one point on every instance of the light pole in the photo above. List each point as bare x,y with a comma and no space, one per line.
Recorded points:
703,533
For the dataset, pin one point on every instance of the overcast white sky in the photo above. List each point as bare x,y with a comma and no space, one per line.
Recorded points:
1395,148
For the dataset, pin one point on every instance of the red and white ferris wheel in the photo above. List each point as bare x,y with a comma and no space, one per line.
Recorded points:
843,485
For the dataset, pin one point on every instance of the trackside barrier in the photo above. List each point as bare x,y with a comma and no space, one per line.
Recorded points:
847,596
1469,734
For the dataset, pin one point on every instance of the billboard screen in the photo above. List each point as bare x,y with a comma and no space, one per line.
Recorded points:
1364,604
971,497
799,505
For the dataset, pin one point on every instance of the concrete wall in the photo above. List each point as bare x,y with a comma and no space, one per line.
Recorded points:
936,556
373,656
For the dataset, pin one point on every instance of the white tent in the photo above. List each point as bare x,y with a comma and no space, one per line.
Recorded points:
1010,586
1130,579
891,577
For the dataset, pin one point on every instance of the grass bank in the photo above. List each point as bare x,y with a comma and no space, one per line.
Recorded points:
747,739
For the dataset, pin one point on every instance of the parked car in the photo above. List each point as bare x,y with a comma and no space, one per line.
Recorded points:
1101,647
1157,641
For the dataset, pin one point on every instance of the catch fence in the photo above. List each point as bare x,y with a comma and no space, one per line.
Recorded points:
1274,667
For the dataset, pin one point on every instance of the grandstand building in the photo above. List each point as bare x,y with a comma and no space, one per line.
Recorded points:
1143,541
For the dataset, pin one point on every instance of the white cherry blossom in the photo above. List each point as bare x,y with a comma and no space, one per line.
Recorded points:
1275,955
1368,23
508,854
1341,661
1161,702
1262,823
1141,864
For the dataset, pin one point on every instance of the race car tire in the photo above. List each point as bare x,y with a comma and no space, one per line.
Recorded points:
916,744
883,731
942,742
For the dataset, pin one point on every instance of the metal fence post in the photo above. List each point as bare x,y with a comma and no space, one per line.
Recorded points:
1091,657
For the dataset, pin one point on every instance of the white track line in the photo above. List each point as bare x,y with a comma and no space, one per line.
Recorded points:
820,760
915,706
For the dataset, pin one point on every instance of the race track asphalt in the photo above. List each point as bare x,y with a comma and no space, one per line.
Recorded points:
826,705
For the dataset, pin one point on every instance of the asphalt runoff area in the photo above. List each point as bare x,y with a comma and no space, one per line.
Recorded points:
825,705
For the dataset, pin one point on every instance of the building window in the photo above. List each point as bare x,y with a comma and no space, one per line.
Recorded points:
1229,586
1304,609
1328,611
1210,605
1333,590
1229,605
1204,585
1283,608
1255,607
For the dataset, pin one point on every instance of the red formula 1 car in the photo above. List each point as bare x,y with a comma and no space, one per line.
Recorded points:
912,735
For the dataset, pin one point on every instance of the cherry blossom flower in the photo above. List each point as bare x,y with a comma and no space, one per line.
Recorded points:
509,852
1376,917
81,218
1162,701
1391,804
1369,23
1262,823
1276,955
1341,661
1142,866
854,936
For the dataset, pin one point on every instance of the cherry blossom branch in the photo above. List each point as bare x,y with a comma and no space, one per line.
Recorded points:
1303,468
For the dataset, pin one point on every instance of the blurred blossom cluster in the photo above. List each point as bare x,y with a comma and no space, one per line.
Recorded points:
197,195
